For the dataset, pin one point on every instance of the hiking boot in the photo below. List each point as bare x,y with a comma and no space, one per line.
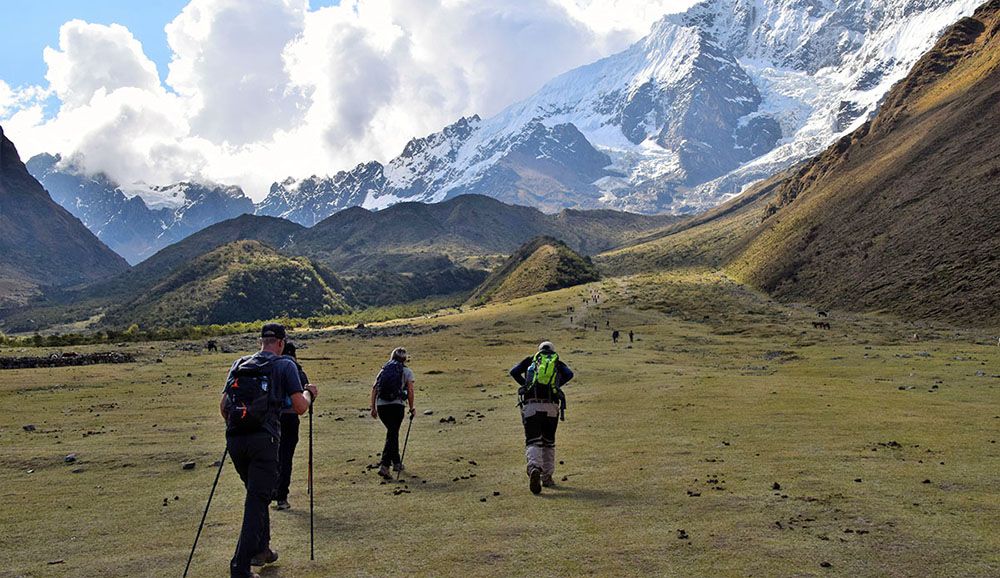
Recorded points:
398,467
535,481
383,471
548,482
268,556
282,505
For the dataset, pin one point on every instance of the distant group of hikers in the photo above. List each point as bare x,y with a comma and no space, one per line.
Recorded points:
266,392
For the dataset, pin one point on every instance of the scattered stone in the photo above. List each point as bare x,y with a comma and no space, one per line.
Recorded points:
216,464
428,412
825,565
70,458
194,438
482,499
54,562
776,486
925,482
858,480
76,471
496,493
565,478
28,428
190,375
562,463
189,465
473,462
682,535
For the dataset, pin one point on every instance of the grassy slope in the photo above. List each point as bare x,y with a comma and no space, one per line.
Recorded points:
543,264
706,240
903,215
722,385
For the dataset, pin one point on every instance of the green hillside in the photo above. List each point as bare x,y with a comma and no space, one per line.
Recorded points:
468,229
543,264
241,281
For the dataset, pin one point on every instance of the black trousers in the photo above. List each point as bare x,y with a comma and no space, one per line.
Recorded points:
286,451
392,416
255,457
540,430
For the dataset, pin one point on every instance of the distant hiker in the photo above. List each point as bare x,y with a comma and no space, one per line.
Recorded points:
289,436
607,323
391,392
631,336
251,404
614,336
211,345
541,378
571,319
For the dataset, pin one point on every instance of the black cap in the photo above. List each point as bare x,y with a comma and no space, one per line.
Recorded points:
275,330
289,349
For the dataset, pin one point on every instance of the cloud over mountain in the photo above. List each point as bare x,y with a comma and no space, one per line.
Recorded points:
258,91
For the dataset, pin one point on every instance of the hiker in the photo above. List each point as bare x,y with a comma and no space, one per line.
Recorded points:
391,392
289,421
614,336
251,403
211,345
541,378
631,336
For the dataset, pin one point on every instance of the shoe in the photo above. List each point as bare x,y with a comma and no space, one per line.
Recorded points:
282,505
383,471
268,556
548,482
398,467
535,481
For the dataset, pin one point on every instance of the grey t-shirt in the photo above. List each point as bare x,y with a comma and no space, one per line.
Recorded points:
407,377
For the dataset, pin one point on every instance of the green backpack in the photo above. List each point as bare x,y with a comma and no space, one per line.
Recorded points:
543,376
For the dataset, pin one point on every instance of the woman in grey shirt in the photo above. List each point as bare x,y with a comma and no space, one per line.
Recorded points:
391,392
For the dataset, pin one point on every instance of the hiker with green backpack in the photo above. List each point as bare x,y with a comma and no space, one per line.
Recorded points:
541,378
391,392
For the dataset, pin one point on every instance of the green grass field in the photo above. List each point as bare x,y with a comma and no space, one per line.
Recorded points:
674,449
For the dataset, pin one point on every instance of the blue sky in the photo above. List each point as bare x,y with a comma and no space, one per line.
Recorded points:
28,26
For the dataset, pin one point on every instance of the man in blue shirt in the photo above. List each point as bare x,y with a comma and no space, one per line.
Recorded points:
254,447
541,377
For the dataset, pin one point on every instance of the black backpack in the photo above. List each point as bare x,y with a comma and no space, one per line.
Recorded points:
249,396
389,382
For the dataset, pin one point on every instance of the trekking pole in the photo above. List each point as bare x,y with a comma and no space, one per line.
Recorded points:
222,462
406,441
312,555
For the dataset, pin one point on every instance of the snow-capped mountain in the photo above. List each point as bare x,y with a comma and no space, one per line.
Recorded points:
712,99
138,220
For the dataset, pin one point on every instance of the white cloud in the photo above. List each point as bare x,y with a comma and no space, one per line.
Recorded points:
258,91
92,58
228,62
